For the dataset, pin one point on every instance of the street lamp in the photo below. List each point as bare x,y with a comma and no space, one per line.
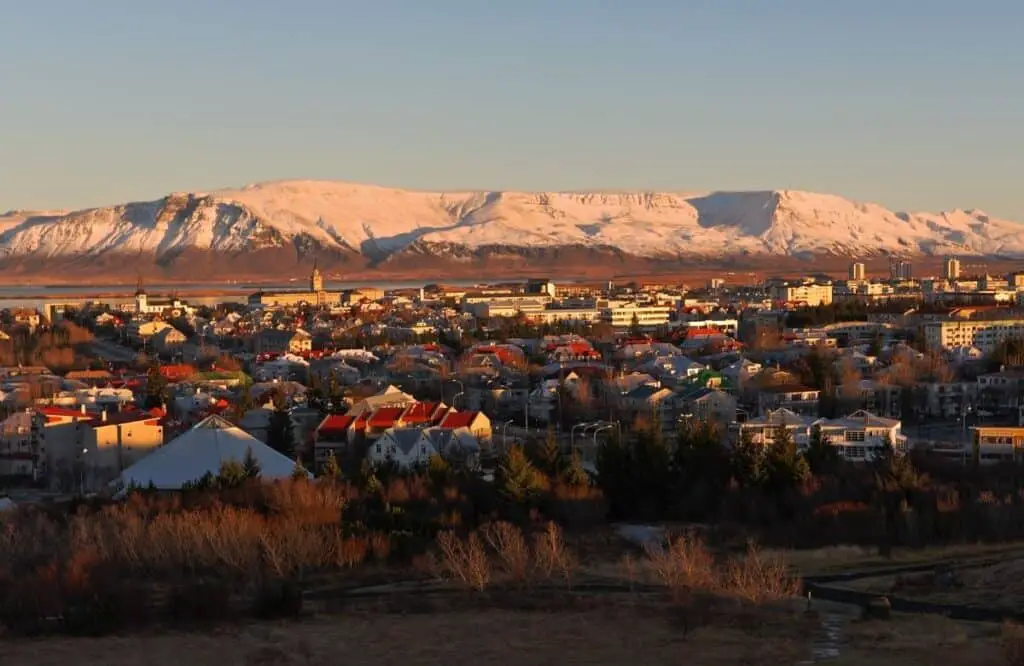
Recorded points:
572,433
504,434
82,485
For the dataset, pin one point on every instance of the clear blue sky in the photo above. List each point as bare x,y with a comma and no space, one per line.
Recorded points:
916,104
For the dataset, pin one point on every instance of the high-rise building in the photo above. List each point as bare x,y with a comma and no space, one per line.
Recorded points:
857,271
900,270
952,271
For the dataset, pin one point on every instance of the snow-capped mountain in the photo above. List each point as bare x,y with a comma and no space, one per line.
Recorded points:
291,221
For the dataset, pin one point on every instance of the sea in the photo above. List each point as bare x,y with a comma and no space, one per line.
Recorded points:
36,296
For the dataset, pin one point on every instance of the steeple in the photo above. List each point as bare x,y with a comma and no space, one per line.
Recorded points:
139,290
316,280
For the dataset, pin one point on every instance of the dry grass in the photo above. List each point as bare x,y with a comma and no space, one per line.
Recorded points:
758,577
1013,644
612,636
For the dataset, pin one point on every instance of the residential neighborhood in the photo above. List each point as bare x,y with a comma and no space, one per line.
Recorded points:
399,377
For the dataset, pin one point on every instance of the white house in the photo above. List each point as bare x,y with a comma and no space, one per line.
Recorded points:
862,436
404,447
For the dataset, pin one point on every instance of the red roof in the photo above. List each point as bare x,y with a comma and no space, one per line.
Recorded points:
385,417
335,426
459,419
62,411
421,412
360,422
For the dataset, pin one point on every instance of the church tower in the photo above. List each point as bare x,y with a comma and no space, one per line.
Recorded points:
316,280
140,296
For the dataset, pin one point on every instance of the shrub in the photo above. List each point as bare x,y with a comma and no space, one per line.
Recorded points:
551,554
758,577
507,542
465,560
684,564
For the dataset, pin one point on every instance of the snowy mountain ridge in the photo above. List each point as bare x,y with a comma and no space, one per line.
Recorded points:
381,224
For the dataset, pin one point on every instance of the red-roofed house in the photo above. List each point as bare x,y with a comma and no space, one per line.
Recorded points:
332,436
424,414
476,422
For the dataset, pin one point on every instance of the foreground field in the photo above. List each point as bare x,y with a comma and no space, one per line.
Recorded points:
615,635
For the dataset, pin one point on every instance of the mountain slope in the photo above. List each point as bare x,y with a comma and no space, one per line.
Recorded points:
268,225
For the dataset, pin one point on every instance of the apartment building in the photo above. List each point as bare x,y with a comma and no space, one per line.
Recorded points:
997,444
982,334
623,315
808,293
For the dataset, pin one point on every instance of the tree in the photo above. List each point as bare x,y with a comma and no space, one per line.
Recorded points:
517,479
231,474
156,385
784,468
331,468
546,454
745,461
634,327
280,432
821,456
703,467
250,465
299,472
574,474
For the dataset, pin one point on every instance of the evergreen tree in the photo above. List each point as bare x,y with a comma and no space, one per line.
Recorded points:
574,474
331,469
231,474
280,432
784,468
547,455
634,327
299,472
156,385
746,461
250,465
703,468
517,479
821,456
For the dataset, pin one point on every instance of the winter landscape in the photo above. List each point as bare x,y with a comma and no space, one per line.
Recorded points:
529,333
265,231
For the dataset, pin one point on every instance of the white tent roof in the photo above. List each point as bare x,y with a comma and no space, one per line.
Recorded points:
202,449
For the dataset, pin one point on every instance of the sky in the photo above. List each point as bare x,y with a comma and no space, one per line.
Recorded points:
914,104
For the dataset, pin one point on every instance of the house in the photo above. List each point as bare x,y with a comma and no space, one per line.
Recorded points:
404,447
476,423
762,430
141,331
708,406
457,445
382,419
116,441
202,450
273,341
22,449
994,444
168,340
389,397
862,436
332,437
423,414
793,397
739,372
673,369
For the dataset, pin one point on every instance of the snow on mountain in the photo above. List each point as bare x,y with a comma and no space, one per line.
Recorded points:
380,222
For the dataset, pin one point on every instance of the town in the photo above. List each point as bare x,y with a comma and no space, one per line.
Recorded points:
366,377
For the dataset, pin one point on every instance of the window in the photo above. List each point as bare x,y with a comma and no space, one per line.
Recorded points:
854,436
378,449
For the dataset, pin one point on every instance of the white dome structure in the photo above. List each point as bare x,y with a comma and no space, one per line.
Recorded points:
203,449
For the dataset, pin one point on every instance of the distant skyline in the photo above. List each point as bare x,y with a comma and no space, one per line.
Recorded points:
915,106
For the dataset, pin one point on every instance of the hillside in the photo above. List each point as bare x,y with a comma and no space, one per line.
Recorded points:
268,229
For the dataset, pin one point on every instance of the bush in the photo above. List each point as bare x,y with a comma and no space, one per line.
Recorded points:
684,564
465,561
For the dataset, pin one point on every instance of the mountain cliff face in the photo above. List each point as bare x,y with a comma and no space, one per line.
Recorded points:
267,229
